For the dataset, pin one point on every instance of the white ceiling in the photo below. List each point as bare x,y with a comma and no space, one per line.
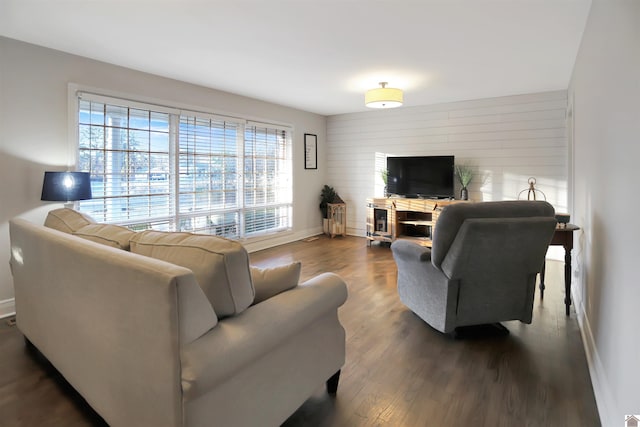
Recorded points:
320,55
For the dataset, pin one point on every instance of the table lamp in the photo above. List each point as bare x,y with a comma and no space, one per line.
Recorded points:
66,187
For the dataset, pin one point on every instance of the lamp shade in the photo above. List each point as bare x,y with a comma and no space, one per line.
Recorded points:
383,97
66,186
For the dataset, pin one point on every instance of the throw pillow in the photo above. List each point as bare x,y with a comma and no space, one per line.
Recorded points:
221,266
269,282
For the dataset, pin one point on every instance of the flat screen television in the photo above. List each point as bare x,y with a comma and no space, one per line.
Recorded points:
421,176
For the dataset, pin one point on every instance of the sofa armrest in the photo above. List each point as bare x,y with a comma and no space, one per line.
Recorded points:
237,341
409,251
111,322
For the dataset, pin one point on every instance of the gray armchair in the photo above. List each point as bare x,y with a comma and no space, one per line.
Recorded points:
482,266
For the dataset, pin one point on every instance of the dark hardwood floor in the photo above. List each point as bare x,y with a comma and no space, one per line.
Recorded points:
399,371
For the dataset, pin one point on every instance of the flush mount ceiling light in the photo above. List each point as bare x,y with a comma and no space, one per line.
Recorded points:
383,97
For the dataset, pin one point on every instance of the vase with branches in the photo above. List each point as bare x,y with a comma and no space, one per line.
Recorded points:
465,175
384,174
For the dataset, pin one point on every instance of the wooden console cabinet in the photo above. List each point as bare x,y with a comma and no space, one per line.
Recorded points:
393,218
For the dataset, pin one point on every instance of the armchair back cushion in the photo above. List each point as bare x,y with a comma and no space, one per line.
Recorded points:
221,266
452,217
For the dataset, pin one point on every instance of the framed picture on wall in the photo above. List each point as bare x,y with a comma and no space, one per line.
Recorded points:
310,151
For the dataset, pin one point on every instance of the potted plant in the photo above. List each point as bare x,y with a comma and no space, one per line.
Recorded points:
384,174
327,195
465,175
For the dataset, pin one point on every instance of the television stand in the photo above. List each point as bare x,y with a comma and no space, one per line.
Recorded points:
389,219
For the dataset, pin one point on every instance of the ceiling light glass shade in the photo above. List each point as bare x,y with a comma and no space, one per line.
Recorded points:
66,186
383,97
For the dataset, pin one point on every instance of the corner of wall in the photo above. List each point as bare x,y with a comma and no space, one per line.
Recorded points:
601,389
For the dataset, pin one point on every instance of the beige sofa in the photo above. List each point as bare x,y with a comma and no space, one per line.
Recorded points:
173,329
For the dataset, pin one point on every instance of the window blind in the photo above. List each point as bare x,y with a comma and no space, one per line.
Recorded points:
267,179
208,164
169,169
126,150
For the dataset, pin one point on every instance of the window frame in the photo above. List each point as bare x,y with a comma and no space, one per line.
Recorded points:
173,218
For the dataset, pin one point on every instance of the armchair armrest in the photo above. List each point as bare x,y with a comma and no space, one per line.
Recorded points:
238,341
409,251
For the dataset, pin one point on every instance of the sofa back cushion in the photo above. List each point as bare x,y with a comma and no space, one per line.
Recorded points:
67,220
221,266
108,234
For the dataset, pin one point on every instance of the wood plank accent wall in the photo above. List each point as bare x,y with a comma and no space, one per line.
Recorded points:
506,140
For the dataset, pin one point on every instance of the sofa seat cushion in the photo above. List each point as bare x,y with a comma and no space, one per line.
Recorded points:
221,266
108,234
67,220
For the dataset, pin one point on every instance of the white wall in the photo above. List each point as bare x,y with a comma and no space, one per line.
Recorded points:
605,99
34,132
507,140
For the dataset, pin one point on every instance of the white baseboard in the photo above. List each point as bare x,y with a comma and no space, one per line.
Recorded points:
7,307
604,398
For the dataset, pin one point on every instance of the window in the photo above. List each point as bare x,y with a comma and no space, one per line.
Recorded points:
208,156
267,179
169,169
